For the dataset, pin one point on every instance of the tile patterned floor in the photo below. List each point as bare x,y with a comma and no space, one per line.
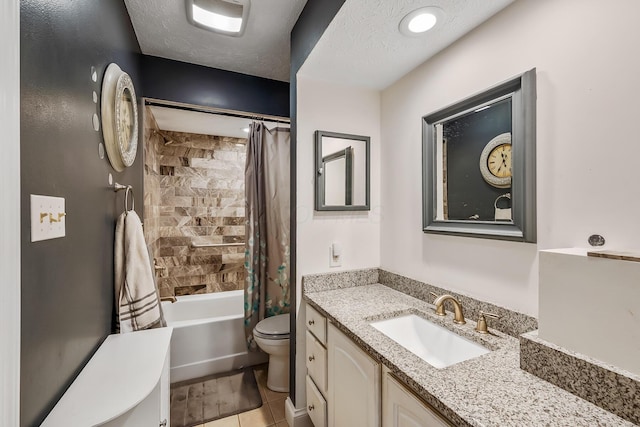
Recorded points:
270,414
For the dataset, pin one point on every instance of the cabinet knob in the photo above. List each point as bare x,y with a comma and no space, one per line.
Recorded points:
311,322
163,423
312,358
311,407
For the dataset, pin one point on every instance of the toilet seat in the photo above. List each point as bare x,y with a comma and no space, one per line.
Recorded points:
273,328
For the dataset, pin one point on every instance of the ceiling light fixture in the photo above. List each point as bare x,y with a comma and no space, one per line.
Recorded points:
228,17
420,21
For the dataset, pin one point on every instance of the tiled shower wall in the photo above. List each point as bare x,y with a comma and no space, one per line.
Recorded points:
151,219
194,193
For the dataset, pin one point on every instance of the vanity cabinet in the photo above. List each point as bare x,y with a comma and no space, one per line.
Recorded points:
316,361
401,408
347,388
353,383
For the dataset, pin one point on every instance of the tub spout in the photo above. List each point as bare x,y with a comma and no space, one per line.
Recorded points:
170,298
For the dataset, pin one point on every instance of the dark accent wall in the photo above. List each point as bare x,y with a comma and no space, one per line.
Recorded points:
67,283
311,24
467,192
177,81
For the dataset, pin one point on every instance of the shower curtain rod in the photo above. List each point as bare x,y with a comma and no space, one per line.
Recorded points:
220,111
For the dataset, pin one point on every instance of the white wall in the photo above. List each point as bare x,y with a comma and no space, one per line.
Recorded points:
324,106
10,215
588,150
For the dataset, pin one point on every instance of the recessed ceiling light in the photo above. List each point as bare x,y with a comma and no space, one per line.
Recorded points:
227,17
420,21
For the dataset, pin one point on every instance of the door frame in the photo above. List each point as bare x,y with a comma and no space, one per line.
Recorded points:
10,216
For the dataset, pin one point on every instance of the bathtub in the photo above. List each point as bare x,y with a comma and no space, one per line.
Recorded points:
208,335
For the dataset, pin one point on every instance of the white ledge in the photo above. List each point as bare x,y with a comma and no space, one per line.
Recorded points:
121,374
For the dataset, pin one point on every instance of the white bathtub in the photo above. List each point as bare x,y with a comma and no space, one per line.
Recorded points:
208,335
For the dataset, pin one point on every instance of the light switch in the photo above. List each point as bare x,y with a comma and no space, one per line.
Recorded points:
335,254
48,217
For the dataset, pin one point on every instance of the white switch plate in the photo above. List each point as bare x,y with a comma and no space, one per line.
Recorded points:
48,217
334,261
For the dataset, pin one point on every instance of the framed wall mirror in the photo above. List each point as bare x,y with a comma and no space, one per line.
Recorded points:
479,164
342,172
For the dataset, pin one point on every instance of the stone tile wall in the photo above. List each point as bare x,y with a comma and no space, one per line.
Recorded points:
151,219
200,199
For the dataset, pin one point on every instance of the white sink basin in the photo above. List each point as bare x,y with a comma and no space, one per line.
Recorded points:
434,344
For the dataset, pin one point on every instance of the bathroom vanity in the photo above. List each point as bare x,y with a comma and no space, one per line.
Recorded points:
338,369
124,384
378,382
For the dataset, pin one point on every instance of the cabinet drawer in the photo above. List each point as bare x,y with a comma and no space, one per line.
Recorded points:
317,324
316,405
317,363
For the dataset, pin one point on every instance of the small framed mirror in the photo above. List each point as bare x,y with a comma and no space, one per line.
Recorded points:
479,164
342,172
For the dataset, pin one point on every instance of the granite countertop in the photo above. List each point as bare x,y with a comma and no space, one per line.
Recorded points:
490,390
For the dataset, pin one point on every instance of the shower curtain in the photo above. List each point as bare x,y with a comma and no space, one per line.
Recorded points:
267,225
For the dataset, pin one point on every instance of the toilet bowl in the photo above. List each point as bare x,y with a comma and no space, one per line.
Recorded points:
272,336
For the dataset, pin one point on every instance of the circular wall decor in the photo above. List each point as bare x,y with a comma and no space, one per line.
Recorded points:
119,110
495,161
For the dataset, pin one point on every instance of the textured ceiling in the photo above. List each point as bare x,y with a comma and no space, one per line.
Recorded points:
163,30
363,46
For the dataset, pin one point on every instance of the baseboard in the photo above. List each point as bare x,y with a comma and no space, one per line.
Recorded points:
296,417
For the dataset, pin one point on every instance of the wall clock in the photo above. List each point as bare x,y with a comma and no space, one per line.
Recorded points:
495,161
119,110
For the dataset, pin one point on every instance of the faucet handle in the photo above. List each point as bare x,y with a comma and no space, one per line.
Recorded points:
481,327
439,309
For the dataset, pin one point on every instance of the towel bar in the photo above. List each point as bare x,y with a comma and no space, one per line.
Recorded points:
128,190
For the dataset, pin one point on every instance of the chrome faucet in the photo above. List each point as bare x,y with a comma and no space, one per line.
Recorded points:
458,316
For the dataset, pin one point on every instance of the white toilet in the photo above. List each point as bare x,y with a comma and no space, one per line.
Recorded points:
272,336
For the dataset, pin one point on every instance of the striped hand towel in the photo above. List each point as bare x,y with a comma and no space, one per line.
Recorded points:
137,305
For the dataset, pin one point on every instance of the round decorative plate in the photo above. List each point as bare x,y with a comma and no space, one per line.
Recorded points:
119,110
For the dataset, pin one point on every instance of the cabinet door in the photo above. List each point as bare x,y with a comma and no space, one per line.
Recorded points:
354,384
400,408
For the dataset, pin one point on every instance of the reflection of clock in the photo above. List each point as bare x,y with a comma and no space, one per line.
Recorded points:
119,111
495,161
